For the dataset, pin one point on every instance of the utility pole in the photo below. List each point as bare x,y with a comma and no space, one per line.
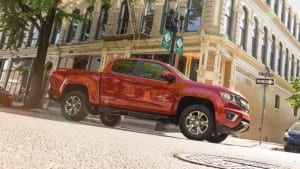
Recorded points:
266,81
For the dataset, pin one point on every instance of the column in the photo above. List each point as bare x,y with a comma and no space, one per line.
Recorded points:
103,59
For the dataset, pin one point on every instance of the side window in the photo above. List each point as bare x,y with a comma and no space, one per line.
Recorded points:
124,67
152,71
277,101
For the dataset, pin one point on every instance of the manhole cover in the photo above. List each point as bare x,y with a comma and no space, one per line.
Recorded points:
224,162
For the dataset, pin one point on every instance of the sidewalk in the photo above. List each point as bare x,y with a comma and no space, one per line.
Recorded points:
150,125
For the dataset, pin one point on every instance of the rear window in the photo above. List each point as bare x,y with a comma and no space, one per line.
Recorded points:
124,66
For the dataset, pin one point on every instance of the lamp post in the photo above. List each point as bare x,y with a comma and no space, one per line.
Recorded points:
175,24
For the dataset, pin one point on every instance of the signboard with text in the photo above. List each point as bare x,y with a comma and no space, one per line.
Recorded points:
266,81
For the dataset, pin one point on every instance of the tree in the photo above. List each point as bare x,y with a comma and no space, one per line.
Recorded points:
294,99
15,18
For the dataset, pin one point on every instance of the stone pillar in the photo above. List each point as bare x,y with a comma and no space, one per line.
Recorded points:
202,62
103,59
232,80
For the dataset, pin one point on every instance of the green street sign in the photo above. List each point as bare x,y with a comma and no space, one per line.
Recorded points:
167,39
179,46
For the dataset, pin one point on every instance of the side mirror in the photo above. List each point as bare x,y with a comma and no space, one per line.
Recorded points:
168,76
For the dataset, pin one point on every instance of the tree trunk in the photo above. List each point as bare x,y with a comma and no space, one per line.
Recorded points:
36,89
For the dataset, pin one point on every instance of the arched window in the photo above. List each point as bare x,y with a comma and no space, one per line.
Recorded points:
298,68
102,22
276,6
20,40
277,101
286,70
280,59
244,28
56,33
2,41
165,22
255,38
148,16
289,23
299,34
264,46
73,27
283,11
194,15
273,53
229,17
293,66
123,18
87,23
295,26
32,37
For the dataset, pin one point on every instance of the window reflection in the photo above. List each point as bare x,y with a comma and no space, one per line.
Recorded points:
194,15
148,16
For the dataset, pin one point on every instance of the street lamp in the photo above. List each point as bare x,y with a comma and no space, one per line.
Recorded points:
175,24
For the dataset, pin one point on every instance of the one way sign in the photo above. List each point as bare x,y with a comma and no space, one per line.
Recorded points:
265,81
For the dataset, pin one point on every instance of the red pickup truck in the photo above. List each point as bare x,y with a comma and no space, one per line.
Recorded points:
153,90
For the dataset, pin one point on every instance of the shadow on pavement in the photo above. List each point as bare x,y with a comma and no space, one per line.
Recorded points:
55,116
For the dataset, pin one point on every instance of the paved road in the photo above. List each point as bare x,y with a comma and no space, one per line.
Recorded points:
32,140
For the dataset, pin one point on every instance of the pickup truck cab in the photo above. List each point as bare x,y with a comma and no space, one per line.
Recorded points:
153,90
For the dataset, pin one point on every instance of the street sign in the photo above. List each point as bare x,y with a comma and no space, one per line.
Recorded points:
265,81
266,74
179,46
166,41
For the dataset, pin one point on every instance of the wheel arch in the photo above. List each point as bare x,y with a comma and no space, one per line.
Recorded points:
75,87
191,100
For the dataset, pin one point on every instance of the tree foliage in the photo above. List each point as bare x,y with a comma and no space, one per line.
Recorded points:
294,99
16,17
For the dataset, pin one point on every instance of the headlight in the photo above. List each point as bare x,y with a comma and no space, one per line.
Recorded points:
229,97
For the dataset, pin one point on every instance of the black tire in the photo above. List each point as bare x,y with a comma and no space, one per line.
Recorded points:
110,119
217,138
196,122
75,106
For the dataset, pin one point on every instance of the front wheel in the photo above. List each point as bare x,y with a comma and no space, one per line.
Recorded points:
110,120
196,122
74,106
217,138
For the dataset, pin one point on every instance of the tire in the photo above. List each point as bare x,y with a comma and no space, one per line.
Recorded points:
75,106
110,120
196,122
217,138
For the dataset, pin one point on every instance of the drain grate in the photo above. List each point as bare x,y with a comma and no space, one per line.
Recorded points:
224,162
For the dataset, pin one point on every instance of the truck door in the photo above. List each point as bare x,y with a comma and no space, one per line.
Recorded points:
153,93
116,88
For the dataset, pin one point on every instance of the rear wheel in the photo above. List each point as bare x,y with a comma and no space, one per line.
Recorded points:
74,106
196,122
110,119
217,137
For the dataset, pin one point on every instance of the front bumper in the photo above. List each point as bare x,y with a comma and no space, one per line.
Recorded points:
243,126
